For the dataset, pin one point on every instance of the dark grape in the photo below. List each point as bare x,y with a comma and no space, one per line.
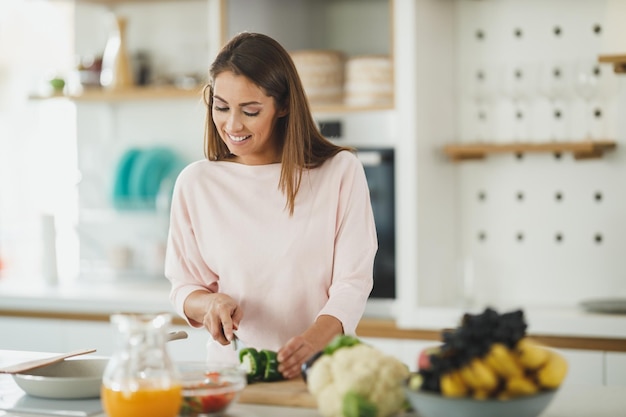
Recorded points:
473,338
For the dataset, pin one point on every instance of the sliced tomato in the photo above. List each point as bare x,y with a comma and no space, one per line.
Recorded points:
215,403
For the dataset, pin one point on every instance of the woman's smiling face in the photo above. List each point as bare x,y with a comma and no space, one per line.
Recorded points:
245,118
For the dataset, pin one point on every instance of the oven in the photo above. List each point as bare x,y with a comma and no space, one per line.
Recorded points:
379,169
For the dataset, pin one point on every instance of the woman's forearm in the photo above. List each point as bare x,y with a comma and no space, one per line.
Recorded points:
195,306
323,331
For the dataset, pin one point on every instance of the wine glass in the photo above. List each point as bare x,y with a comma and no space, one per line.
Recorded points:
518,85
588,87
481,85
555,85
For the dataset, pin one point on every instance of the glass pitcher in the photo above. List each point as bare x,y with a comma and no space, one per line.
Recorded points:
140,378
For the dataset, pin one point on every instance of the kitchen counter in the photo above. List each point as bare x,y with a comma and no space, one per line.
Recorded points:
578,401
571,401
96,300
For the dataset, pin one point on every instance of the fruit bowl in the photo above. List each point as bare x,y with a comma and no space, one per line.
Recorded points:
431,404
209,389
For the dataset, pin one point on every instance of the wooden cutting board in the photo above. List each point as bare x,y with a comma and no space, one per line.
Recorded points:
292,393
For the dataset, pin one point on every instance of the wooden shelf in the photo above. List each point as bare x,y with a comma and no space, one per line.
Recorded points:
128,94
580,150
116,2
618,61
173,93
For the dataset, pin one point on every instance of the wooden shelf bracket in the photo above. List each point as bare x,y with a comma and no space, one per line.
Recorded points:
618,61
580,150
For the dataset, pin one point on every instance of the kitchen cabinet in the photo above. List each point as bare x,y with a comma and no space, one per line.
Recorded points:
615,368
59,335
27,334
584,367
76,323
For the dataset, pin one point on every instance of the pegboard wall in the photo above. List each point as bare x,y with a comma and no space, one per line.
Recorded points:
540,229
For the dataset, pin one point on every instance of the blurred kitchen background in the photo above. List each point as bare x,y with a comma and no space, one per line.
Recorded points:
491,132
537,221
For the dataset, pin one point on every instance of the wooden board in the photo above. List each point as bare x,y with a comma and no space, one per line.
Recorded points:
292,393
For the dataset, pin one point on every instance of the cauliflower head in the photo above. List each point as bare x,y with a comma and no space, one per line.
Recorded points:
362,370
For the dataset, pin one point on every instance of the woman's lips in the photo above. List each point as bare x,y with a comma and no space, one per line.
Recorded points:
237,138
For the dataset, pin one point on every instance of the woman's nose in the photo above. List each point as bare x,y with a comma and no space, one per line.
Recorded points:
233,123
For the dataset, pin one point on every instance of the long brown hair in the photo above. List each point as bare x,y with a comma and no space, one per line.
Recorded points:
267,64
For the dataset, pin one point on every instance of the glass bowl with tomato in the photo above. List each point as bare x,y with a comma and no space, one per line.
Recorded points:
209,389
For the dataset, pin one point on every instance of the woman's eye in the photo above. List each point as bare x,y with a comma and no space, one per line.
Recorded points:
222,109
251,114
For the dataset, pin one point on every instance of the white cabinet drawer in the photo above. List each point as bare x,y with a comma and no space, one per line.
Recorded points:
31,334
586,367
615,368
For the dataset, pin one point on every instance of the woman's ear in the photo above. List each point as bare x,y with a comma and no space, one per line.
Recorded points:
284,112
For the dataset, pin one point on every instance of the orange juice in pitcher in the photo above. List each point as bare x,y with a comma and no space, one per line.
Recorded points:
153,402
140,379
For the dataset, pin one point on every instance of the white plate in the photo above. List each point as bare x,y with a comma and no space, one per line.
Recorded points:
72,378
605,305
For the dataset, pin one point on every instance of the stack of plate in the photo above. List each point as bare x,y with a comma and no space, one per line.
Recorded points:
369,81
143,175
322,74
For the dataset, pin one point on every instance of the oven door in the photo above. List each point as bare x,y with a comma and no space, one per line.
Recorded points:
379,170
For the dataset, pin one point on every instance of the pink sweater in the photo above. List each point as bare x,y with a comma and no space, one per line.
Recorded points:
230,232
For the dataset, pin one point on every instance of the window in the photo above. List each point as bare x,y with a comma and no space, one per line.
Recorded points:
37,142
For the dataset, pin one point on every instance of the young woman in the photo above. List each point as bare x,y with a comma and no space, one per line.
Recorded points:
272,236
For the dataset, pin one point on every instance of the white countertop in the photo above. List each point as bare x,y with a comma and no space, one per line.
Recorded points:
570,401
151,295
576,401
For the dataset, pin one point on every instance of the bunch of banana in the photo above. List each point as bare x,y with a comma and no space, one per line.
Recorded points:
507,373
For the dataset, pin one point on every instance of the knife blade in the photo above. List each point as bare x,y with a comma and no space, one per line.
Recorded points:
237,344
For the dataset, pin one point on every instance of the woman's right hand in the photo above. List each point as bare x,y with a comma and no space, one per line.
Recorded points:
217,312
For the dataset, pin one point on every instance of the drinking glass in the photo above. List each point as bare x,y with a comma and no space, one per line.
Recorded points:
481,84
556,86
587,87
519,86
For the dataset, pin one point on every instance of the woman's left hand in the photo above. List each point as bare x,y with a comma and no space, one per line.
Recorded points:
291,356
300,348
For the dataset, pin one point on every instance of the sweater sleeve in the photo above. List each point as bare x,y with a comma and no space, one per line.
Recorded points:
184,266
356,244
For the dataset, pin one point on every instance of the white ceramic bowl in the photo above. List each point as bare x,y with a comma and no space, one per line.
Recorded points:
69,379
430,404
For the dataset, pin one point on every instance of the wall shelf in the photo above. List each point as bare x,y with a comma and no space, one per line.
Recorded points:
127,94
172,93
580,149
618,61
116,2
